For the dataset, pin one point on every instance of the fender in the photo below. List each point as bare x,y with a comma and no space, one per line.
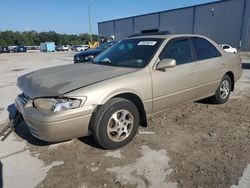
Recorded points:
114,93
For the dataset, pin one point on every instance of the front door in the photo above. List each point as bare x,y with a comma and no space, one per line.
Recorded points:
177,85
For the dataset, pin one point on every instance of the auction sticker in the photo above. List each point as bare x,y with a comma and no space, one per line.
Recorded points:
147,43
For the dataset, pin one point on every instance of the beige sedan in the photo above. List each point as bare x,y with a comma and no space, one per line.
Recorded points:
112,95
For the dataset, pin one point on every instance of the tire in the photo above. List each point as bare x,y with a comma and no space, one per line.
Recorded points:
222,93
115,124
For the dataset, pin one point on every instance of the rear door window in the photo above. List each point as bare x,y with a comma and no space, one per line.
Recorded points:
204,49
178,49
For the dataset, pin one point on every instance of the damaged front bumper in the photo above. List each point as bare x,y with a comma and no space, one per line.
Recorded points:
54,126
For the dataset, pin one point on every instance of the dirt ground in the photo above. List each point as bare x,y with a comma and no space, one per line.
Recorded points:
195,145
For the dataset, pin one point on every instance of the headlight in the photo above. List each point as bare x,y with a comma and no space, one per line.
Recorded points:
89,57
44,104
58,105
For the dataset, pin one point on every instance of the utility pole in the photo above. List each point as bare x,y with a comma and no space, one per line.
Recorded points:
90,30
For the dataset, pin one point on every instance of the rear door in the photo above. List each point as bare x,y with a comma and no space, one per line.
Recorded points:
175,85
209,66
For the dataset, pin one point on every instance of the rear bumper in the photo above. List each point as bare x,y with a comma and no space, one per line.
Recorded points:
55,126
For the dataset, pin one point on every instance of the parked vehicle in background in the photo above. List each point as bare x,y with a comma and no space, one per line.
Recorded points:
92,53
11,48
80,48
33,47
4,50
19,49
73,48
63,48
112,95
229,48
47,47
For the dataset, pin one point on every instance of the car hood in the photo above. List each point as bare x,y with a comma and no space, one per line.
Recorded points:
89,52
59,80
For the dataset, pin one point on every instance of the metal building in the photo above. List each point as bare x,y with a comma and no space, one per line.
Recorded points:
225,21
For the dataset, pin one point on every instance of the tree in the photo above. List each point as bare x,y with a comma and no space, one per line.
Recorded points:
33,38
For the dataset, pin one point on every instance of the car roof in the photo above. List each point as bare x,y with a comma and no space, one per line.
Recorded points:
167,36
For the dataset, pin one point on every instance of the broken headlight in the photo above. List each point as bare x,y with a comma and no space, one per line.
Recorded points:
58,105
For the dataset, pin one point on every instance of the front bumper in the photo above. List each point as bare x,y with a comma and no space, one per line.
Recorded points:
55,126
79,60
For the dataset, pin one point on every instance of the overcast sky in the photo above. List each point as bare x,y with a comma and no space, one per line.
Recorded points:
71,16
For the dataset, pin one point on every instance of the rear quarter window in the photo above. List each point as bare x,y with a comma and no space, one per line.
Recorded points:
204,49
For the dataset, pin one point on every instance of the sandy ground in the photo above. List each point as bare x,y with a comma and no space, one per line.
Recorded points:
195,145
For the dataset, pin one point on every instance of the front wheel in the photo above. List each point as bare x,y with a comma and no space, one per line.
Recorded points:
115,123
222,93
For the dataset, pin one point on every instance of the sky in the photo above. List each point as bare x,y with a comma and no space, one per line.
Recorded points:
71,16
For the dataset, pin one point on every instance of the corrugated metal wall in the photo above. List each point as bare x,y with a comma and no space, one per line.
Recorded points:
246,28
222,21
177,21
106,28
123,28
147,22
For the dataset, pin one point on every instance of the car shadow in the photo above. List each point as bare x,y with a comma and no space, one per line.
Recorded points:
205,101
23,131
245,65
89,140
12,110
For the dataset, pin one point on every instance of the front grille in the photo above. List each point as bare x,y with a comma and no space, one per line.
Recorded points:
24,98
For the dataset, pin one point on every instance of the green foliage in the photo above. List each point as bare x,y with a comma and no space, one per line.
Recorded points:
33,38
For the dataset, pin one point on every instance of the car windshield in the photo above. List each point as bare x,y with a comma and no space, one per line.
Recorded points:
134,53
105,46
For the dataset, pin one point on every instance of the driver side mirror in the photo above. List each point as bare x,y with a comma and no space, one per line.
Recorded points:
166,63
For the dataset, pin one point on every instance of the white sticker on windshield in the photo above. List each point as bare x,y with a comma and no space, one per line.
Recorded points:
147,43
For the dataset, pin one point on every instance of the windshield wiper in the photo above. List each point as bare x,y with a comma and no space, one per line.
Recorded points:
105,61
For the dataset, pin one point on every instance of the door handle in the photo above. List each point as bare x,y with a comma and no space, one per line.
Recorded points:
192,73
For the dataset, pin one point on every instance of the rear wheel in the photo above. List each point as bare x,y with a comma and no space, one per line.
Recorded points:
223,91
115,123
